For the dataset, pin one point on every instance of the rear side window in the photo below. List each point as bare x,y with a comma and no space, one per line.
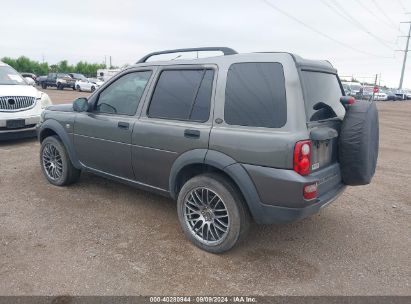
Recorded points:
182,95
322,93
255,95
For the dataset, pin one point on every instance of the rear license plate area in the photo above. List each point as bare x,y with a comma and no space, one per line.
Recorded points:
15,124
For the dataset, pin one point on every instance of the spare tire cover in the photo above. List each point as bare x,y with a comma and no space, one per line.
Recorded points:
358,143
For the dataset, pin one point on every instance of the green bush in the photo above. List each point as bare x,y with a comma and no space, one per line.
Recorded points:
24,64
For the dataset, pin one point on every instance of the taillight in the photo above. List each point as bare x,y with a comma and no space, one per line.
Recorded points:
310,191
347,100
302,157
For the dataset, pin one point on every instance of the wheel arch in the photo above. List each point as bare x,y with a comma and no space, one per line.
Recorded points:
189,165
52,127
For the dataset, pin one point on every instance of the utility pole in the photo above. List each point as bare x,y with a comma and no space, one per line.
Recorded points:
373,89
405,55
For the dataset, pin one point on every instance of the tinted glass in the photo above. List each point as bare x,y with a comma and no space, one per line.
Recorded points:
255,95
123,96
325,88
182,95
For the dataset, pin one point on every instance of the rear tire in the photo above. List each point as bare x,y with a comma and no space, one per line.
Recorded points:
56,164
212,212
43,86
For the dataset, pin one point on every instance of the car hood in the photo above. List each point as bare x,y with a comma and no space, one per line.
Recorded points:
67,107
18,90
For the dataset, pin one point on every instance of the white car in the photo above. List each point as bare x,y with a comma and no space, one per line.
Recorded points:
20,104
86,85
97,81
380,96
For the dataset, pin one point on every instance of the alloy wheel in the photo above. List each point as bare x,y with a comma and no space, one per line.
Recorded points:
206,215
52,162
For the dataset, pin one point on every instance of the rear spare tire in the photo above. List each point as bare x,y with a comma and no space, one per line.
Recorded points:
358,143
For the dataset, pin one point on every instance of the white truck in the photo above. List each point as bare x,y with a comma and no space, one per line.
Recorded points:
106,74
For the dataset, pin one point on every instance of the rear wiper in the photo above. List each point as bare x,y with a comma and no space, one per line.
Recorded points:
323,112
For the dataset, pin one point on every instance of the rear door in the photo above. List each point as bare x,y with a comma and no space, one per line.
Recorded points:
102,136
177,118
324,111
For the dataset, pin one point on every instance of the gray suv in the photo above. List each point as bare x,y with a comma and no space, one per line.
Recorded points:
231,138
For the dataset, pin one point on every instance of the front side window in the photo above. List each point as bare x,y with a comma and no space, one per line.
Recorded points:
255,95
182,95
123,95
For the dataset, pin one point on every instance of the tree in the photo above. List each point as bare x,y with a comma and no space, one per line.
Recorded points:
24,64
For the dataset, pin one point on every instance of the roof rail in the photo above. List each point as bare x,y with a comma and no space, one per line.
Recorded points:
225,50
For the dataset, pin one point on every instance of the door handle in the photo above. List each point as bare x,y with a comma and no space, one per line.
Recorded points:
123,125
189,133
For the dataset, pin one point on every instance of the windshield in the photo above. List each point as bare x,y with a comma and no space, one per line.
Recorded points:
322,93
8,76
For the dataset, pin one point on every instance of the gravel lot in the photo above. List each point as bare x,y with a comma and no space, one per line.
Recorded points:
99,237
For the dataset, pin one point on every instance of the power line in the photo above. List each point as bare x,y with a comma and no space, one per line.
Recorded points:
319,32
383,12
402,5
343,13
367,9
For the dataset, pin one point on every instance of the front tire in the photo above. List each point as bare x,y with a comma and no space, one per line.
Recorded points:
212,213
78,88
55,163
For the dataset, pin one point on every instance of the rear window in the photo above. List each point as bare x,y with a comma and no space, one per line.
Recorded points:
255,95
322,93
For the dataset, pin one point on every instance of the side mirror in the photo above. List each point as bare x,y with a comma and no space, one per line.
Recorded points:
80,105
29,80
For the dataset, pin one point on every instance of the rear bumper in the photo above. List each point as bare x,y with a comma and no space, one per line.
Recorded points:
277,214
279,192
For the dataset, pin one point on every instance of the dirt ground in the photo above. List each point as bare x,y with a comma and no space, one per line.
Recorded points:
99,237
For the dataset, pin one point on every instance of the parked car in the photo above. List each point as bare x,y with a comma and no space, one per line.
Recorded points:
40,79
381,96
391,96
106,74
77,76
20,104
58,80
229,137
31,75
86,85
351,88
401,94
365,93
97,81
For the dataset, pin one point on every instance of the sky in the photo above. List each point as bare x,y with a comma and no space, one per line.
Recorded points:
359,37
